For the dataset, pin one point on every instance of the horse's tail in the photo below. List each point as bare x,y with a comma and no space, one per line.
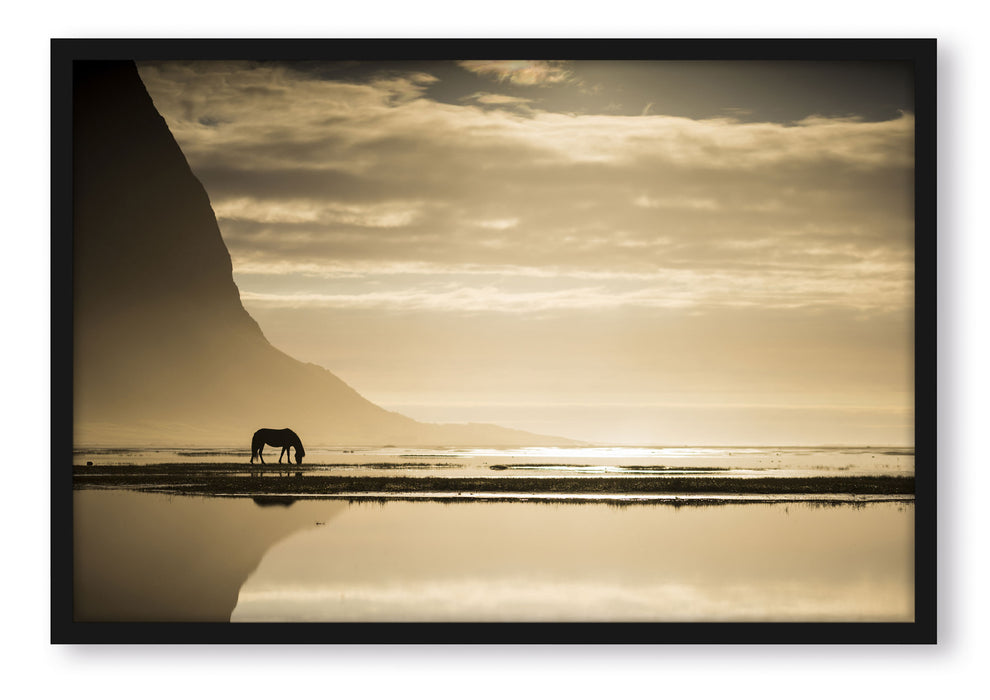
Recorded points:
254,445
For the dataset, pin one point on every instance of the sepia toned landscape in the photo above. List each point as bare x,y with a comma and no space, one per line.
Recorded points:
518,341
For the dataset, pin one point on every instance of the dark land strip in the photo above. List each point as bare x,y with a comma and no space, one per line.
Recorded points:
237,481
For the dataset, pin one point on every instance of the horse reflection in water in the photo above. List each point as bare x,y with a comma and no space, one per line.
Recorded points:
284,438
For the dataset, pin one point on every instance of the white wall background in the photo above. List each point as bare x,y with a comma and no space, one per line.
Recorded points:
36,669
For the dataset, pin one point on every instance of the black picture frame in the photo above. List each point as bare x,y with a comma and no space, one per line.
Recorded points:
921,53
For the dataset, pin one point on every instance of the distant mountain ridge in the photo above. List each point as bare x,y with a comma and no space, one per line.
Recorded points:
164,351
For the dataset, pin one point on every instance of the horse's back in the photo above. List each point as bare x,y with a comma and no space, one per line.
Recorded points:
275,436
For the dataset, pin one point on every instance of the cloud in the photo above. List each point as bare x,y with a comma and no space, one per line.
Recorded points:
676,202
864,286
344,178
521,72
488,98
499,224
389,214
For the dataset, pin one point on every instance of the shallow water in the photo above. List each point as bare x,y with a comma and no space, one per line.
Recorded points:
142,556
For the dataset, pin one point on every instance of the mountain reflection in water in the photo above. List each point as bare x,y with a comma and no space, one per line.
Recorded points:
153,557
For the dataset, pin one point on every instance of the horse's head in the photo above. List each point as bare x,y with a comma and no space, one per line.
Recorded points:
300,453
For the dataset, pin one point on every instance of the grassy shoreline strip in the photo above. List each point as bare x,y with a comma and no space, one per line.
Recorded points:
212,483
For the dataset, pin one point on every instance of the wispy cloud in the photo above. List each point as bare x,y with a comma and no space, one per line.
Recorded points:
705,203
864,287
489,98
389,214
521,72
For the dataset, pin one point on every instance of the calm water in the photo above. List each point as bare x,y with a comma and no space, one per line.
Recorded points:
549,461
143,556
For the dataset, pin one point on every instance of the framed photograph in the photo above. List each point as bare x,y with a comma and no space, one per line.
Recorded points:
493,341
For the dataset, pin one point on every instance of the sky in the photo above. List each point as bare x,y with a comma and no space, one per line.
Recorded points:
612,251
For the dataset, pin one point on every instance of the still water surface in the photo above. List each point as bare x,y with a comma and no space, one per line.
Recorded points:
143,556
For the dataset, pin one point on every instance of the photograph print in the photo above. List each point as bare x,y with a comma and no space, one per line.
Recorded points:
473,334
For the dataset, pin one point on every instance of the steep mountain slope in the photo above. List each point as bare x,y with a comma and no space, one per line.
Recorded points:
164,352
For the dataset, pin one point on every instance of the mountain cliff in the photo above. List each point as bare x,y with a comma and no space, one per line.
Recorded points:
164,352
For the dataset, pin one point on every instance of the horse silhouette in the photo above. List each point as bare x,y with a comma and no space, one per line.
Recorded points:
283,438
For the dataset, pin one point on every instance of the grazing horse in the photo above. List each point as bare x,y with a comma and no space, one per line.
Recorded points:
283,438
